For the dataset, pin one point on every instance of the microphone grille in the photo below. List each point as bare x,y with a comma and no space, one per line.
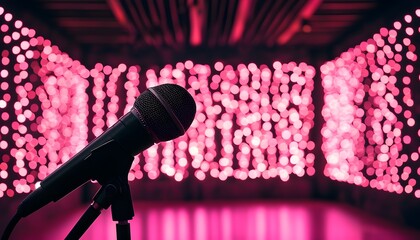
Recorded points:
164,108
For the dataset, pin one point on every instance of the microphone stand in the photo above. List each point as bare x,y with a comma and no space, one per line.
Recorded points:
115,192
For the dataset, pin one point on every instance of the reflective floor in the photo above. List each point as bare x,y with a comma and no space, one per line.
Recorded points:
224,220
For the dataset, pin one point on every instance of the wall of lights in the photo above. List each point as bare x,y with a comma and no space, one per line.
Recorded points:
43,107
252,121
370,135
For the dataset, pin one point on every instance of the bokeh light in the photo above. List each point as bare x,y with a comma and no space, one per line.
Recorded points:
243,115
370,135
43,105
251,122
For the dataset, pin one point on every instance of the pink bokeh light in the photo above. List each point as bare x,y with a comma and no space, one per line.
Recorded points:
240,122
252,121
43,105
369,130
215,140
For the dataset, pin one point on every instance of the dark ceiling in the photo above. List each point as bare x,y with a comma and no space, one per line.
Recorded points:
182,25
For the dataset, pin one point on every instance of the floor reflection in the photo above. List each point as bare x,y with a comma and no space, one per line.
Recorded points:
224,221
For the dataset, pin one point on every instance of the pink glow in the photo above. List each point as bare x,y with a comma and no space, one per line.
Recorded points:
215,93
263,115
224,221
55,122
367,118
306,12
197,22
240,19
213,98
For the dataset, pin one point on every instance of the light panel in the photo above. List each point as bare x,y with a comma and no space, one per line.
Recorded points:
371,134
43,106
252,121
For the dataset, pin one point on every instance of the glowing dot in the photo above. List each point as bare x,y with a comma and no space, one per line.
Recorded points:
370,48
218,66
415,156
411,122
4,73
176,73
122,67
408,18
7,39
189,64
8,17
3,104
286,134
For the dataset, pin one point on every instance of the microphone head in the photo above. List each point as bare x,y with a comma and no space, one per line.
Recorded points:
166,110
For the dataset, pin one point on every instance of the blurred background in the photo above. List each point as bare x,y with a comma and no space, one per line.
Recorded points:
306,124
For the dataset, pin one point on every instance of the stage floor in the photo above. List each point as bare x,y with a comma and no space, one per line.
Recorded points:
223,220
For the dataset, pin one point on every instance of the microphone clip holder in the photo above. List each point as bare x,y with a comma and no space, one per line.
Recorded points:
115,192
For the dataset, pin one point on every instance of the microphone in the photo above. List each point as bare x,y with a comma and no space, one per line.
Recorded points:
161,113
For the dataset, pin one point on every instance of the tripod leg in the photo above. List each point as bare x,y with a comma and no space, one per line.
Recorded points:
102,200
84,222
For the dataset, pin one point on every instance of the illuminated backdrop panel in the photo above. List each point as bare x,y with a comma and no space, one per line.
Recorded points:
252,121
43,107
371,133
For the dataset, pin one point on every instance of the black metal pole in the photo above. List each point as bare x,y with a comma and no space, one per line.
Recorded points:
123,230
